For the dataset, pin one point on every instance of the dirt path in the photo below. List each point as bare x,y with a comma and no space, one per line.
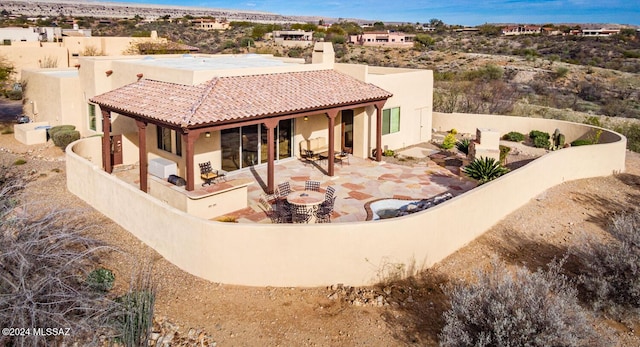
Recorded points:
411,311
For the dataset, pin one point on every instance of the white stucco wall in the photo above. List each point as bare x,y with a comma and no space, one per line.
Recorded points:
360,253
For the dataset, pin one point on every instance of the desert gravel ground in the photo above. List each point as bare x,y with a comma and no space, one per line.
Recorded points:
411,314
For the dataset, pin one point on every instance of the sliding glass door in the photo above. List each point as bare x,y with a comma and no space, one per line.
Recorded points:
247,146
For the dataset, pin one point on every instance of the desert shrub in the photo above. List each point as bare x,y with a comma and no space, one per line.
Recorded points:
581,142
14,95
610,272
19,161
45,257
484,169
63,138
540,139
561,72
463,145
541,142
513,136
53,130
518,308
388,153
101,279
449,141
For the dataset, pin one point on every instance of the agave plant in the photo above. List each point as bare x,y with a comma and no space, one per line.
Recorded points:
484,169
463,145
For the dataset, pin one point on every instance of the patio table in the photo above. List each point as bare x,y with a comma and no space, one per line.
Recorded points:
311,200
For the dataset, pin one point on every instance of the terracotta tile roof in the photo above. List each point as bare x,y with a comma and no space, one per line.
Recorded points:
239,97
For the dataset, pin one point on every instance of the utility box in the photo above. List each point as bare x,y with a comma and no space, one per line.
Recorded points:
163,168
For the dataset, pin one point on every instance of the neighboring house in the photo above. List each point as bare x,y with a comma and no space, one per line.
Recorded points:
284,90
14,34
383,38
210,24
66,51
293,38
521,30
600,32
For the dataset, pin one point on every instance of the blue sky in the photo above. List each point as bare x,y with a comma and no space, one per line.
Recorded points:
465,12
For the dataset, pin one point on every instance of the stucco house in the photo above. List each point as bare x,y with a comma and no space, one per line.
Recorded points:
383,38
244,112
266,93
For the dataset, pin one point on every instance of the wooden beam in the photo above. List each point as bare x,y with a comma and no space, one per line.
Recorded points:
331,122
190,139
142,155
106,140
271,126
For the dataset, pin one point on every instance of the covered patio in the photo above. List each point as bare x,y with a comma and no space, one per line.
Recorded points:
193,112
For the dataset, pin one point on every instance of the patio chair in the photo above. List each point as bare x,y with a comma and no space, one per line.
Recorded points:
266,206
312,185
323,215
329,193
300,214
284,211
284,189
207,173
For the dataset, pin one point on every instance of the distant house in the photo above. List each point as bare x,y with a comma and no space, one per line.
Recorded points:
382,38
600,32
291,38
515,30
14,34
210,24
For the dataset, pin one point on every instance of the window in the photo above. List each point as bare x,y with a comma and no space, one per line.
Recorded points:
390,120
164,138
92,117
169,140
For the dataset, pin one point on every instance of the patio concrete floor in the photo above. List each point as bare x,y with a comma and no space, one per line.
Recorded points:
357,183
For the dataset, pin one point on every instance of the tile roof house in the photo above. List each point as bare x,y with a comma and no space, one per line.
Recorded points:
225,109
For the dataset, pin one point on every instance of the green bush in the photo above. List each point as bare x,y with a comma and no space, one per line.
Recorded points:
463,145
19,162
53,130
582,142
541,142
484,169
449,141
519,308
63,138
513,136
540,139
101,280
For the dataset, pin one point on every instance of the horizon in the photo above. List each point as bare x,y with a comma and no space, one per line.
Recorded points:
457,12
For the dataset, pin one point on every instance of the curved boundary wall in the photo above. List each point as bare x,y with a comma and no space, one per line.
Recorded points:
359,253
